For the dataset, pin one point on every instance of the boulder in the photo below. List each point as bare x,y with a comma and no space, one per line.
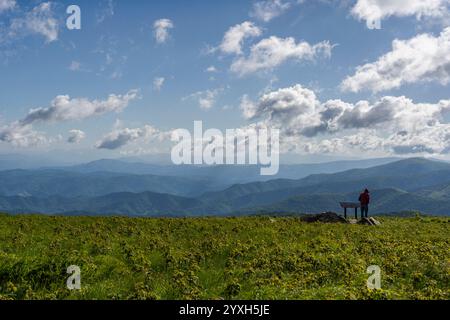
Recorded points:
369,222
326,217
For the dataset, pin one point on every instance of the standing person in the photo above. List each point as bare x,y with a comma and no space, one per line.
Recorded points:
364,199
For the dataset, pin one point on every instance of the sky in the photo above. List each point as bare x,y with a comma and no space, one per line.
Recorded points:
340,79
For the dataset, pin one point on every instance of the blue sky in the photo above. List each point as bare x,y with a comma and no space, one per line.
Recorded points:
187,74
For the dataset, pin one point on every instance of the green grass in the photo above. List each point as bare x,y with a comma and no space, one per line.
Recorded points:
214,258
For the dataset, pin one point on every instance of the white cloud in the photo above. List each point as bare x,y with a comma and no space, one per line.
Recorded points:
248,108
139,151
119,137
424,58
268,9
7,5
40,20
211,69
373,11
106,12
388,125
235,36
292,107
75,136
271,52
75,66
158,83
393,113
19,135
64,108
161,29
115,75
206,99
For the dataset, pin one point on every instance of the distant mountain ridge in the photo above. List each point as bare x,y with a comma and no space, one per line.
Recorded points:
402,178
53,182
124,203
414,184
156,204
223,174
109,176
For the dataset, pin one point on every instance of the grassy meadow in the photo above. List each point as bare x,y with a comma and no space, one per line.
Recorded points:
222,258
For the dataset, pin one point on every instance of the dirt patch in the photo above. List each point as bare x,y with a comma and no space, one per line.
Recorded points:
326,217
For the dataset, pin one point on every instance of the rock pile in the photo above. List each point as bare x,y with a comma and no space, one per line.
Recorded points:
327,217
332,217
369,221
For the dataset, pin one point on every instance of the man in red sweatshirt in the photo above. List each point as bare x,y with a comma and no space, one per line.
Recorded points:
364,199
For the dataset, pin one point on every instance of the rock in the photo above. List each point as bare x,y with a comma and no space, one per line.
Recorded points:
369,222
326,217
375,221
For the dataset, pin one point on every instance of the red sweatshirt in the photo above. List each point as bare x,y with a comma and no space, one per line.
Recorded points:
364,198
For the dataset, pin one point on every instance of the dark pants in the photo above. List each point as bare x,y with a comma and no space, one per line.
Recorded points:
364,211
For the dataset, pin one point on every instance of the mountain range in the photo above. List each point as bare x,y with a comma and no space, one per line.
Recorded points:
108,187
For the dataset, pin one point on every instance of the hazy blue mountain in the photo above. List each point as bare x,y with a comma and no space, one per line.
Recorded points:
439,192
20,161
406,185
147,203
409,175
156,204
48,182
118,166
125,203
223,175
383,201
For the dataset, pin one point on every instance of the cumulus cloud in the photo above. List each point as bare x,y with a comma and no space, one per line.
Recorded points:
390,124
373,11
40,20
281,103
271,52
64,108
119,137
161,29
399,114
75,136
7,5
235,36
211,69
206,99
424,58
248,108
268,9
288,108
21,133
158,83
